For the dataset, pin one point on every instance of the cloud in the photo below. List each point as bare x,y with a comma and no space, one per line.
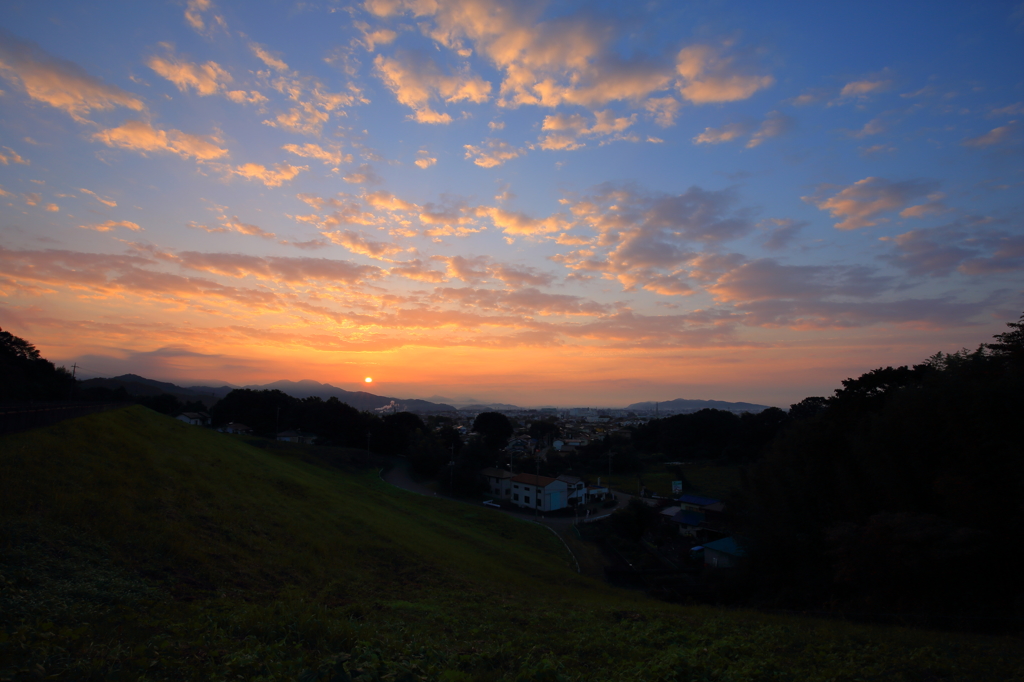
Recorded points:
774,124
571,59
206,79
315,151
425,160
245,228
863,89
52,208
387,201
32,198
522,224
668,285
243,97
281,173
708,77
58,82
664,110
373,38
766,279
492,153
142,137
970,245
417,270
13,157
106,202
861,203
782,234
469,270
727,133
270,60
109,225
289,270
648,237
362,245
313,102
567,128
933,206
872,127
416,80
996,136
194,10
364,175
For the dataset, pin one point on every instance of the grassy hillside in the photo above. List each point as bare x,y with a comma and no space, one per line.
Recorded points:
134,547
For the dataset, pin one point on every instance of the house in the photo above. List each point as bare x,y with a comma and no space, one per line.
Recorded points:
296,437
724,553
576,489
233,427
194,418
520,445
688,521
539,492
699,503
499,482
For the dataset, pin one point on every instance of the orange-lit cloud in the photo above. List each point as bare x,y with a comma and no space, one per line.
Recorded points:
206,79
861,204
492,153
708,77
58,82
315,151
275,177
142,137
109,225
416,80
12,156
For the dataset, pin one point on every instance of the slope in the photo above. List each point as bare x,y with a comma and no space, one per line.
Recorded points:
133,546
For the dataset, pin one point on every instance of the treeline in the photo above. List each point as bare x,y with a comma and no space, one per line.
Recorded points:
711,435
26,376
901,493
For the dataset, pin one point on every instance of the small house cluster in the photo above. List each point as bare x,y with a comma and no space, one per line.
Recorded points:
545,494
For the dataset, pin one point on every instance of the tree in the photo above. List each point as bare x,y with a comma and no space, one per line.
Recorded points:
494,428
26,375
1010,344
544,431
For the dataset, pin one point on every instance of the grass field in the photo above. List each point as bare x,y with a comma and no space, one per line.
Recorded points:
705,478
136,547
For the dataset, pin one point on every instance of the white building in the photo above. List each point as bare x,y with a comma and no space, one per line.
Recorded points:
499,482
539,492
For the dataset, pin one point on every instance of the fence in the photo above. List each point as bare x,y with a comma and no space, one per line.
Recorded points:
14,418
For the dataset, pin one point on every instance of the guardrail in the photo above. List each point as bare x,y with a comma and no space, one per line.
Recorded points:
14,418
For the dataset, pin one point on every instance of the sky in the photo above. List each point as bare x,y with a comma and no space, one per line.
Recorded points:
539,203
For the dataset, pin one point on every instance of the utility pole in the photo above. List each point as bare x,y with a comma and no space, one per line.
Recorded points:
74,370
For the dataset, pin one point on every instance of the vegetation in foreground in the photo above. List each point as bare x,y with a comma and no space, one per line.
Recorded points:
137,547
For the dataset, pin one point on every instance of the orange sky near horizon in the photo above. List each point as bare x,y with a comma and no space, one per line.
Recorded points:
536,202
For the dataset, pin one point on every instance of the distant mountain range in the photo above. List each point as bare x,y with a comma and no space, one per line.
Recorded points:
361,400
682,406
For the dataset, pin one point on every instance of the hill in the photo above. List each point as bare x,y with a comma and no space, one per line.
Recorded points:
135,546
682,406
361,400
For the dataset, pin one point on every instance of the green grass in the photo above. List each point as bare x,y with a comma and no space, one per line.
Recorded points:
136,547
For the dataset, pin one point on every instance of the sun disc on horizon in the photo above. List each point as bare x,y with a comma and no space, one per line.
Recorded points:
368,380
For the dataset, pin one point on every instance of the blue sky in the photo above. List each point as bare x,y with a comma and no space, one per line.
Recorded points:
543,203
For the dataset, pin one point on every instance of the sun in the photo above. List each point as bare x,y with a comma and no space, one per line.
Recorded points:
368,380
